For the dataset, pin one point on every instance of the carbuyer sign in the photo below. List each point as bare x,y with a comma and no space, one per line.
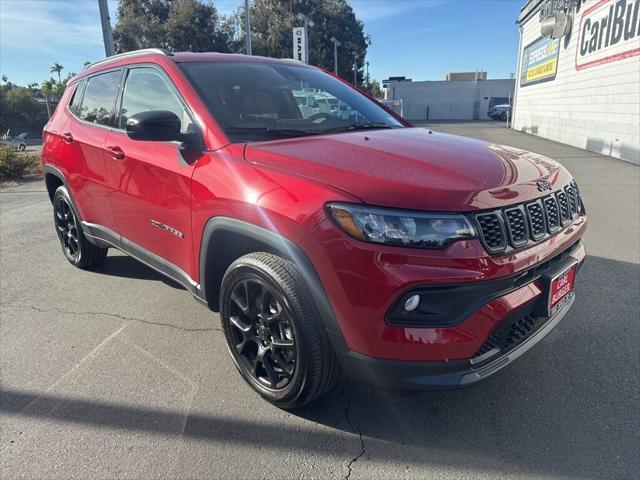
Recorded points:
609,31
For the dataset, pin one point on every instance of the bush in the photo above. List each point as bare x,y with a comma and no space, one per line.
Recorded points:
14,165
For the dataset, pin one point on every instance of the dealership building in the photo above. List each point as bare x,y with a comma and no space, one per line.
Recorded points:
461,96
578,79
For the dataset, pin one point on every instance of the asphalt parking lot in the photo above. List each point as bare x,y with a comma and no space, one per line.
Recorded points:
118,373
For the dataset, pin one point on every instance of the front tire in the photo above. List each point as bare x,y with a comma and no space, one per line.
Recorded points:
75,246
275,338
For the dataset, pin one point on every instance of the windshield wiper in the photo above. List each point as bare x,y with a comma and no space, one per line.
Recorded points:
279,132
359,126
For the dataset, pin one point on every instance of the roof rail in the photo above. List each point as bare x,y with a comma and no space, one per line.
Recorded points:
133,53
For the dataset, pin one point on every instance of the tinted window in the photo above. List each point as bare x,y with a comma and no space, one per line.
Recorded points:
147,89
99,98
258,101
74,106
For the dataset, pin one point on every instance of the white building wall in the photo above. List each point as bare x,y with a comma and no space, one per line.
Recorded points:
595,108
448,100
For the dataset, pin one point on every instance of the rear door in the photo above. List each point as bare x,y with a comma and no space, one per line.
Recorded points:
151,181
85,133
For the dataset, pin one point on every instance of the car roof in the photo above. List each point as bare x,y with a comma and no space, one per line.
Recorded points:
156,55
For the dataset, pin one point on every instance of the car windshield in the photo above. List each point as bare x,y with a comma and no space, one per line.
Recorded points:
266,101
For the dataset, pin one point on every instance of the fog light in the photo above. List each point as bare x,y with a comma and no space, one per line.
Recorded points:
412,303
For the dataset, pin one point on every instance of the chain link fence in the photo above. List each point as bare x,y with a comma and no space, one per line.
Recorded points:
22,120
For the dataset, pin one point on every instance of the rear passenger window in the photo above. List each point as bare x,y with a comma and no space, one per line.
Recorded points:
100,97
74,105
146,90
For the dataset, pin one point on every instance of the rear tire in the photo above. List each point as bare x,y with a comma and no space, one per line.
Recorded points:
75,246
275,338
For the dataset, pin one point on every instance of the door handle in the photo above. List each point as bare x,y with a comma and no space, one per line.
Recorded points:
67,137
116,152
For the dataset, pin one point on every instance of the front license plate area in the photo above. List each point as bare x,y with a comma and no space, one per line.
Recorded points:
561,290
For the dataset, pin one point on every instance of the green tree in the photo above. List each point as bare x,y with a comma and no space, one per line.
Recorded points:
374,89
195,27
57,68
21,111
190,25
51,90
272,22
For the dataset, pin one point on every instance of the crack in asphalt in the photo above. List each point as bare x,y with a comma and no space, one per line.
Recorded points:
355,428
114,315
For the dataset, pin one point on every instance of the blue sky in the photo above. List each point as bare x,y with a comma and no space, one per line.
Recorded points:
421,39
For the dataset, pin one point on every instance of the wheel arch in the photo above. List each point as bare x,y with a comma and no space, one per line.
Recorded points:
226,239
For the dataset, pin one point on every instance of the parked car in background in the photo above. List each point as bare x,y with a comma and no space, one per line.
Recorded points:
24,140
499,112
328,241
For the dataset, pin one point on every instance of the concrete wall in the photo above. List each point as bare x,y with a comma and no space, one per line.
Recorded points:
590,104
448,100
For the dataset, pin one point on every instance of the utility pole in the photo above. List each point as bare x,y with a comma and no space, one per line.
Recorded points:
355,69
107,35
367,74
247,26
336,44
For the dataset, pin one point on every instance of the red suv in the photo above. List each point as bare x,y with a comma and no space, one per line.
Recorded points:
329,234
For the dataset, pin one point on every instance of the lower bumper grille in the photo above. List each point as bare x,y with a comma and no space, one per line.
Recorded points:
510,334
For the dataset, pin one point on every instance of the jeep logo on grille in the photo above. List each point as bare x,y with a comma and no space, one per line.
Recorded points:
543,185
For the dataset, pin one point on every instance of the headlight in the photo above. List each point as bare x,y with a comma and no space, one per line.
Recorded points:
401,227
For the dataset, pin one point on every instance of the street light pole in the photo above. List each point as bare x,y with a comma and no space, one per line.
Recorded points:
107,35
336,44
355,69
247,27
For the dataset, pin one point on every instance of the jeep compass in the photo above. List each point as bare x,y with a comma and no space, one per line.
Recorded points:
330,235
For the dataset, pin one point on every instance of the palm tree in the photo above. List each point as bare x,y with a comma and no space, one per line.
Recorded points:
47,89
57,68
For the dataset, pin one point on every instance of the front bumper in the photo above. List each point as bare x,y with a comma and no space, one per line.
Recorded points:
445,375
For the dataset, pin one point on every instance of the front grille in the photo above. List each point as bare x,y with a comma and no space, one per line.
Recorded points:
565,212
536,220
519,225
573,201
492,231
510,334
553,216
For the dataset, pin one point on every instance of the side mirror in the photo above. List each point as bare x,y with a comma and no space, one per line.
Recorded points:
155,125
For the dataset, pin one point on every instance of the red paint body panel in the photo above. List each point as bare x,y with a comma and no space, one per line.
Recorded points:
152,183
413,169
363,280
283,186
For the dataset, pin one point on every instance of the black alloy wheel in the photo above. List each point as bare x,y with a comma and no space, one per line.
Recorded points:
75,246
262,334
67,228
276,339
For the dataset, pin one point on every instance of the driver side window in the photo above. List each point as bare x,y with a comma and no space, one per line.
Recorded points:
147,90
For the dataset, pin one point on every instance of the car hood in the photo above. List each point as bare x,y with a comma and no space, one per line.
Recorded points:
414,168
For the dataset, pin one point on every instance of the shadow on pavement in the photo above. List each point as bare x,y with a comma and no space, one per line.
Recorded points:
567,408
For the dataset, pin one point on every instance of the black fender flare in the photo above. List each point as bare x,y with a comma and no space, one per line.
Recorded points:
51,170
282,247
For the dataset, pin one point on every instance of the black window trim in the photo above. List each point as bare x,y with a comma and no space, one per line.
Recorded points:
86,81
170,84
